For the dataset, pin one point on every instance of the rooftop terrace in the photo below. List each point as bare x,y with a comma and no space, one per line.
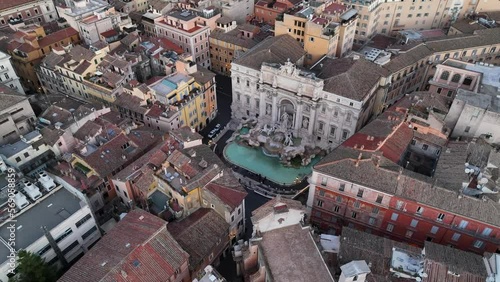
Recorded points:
50,211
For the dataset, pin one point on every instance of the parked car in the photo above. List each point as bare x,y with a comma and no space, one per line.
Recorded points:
212,134
217,126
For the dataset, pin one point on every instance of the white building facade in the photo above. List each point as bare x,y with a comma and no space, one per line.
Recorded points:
74,232
8,76
320,118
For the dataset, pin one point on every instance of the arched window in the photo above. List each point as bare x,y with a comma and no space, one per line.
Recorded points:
455,78
467,81
445,75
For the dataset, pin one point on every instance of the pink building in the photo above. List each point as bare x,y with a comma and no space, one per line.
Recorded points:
452,75
187,28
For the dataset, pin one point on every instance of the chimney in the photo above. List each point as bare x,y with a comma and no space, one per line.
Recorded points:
400,172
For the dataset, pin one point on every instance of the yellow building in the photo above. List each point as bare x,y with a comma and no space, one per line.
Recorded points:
389,17
318,35
228,39
191,91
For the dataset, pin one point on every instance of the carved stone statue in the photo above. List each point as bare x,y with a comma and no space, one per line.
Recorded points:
269,109
288,140
305,122
284,121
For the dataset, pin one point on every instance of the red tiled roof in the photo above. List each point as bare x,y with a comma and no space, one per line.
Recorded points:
199,234
335,8
261,3
109,33
320,21
26,48
232,198
280,6
169,45
154,79
388,134
110,156
57,36
155,111
138,248
228,190
4,4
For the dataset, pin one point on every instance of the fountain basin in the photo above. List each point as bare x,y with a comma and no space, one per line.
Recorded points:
254,160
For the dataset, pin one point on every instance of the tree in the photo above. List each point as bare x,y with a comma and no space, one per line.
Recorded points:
32,268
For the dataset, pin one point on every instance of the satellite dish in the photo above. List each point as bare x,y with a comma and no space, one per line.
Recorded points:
483,180
478,186
467,171
424,275
418,279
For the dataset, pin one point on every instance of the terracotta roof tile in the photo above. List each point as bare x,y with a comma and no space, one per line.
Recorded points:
272,50
57,36
199,234
139,246
228,189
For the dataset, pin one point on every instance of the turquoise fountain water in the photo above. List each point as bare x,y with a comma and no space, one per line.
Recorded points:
254,160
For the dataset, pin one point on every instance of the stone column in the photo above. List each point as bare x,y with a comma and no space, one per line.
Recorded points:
312,119
275,107
298,116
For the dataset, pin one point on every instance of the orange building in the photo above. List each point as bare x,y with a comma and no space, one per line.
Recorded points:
30,44
266,11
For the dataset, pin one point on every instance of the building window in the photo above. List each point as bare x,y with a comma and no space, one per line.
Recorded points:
311,39
324,180
487,231
354,214
90,232
455,237
371,221
478,244
394,216
356,204
390,227
420,210
409,233
445,75
440,217
467,129
320,126
463,224
64,235
70,247
360,193
375,210
26,155
319,203
237,80
467,81
414,223
336,208
399,205
339,199
342,187
434,229
345,134
425,147
455,78
332,131
18,159
83,220
379,199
